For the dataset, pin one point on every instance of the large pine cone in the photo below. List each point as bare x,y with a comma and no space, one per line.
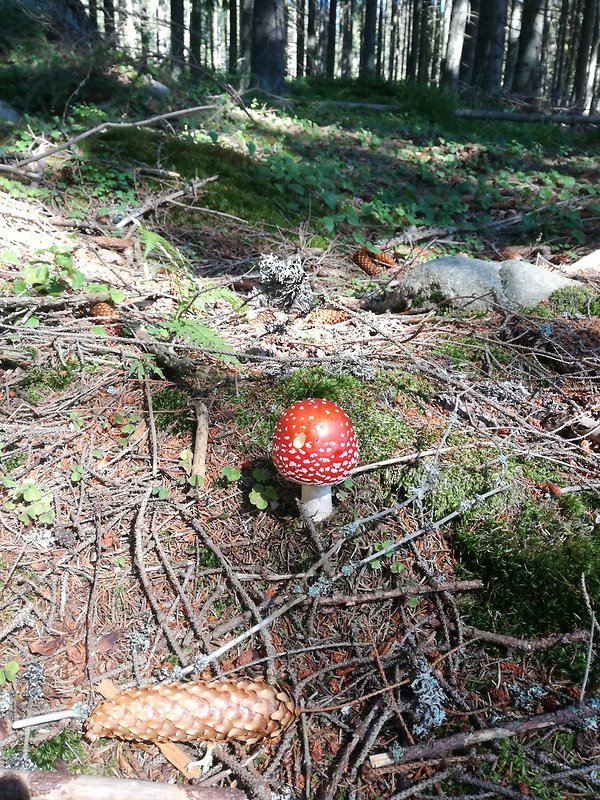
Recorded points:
209,711
326,316
362,258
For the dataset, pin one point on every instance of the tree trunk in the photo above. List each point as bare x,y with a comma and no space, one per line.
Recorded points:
584,49
177,31
108,10
347,27
528,78
233,36
415,37
558,83
246,9
300,38
490,46
195,33
380,39
456,37
331,36
394,31
268,46
514,17
593,77
369,37
467,60
311,37
66,19
424,43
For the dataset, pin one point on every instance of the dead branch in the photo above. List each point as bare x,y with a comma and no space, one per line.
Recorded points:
459,741
407,591
38,785
526,645
200,441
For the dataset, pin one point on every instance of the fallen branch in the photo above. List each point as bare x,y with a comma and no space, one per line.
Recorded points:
200,441
406,591
521,116
526,645
459,741
162,199
38,785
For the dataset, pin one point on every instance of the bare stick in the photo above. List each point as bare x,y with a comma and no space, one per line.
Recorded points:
201,440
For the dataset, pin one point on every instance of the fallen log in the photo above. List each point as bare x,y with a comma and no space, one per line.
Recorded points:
40,785
522,116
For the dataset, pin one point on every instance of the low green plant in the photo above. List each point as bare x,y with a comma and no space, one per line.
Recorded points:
8,672
50,272
67,746
231,474
30,503
262,494
390,559
38,382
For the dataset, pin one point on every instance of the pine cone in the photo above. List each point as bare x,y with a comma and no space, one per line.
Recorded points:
209,711
384,258
326,316
103,310
265,317
363,259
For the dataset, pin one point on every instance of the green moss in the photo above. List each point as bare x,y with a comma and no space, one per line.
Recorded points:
172,410
531,561
14,462
243,187
67,746
574,300
39,382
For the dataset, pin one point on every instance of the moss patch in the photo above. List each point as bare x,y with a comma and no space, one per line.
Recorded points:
40,382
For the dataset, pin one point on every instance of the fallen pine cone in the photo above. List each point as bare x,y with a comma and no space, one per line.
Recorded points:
326,316
208,711
103,310
384,258
363,259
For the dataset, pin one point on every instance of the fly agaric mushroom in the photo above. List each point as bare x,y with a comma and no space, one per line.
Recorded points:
314,444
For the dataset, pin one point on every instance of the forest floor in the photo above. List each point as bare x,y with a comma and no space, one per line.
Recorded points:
438,628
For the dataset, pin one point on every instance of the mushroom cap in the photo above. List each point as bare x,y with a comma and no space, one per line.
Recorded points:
314,443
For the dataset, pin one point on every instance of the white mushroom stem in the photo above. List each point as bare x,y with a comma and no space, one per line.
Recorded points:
316,501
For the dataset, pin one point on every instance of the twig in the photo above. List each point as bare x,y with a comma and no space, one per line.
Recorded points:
161,199
390,594
419,454
200,441
152,426
526,645
588,659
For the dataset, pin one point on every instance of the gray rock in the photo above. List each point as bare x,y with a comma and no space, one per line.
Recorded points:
467,283
8,113
156,87
473,284
529,285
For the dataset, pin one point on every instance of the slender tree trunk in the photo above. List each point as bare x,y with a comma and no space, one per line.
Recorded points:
528,78
593,76
490,46
268,45
380,39
331,36
584,49
456,38
512,49
246,13
415,38
558,83
394,32
300,37
311,37
233,37
347,18
424,44
195,33
177,31
369,37
467,60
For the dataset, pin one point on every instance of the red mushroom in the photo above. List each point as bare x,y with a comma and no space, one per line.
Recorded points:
314,444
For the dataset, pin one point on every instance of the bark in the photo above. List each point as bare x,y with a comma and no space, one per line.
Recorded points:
108,10
558,78
380,39
413,54
233,36
246,7
584,50
311,37
268,46
38,785
515,15
593,77
467,60
394,32
177,32
331,36
367,65
490,46
425,35
300,38
195,33
347,27
528,75
456,37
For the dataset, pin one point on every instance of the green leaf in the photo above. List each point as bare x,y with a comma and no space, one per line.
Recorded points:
261,475
196,480
10,670
31,322
9,483
98,330
116,295
9,257
396,567
32,494
97,452
256,498
329,223
97,288
330,199
231,473
9,505
376,564
19,286
412,602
